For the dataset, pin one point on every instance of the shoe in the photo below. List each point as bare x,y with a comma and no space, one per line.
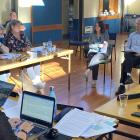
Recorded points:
39,85
120,90
128,80
93,85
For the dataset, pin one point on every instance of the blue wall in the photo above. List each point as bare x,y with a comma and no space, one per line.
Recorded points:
90,21
114,24
50,14
28,30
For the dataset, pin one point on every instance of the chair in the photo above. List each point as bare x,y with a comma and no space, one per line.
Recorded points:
106,61
112,41
138,67
74,41
135,67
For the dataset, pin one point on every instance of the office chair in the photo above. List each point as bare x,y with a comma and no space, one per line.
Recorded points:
105,62
74,41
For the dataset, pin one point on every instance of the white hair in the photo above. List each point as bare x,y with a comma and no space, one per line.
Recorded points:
138,20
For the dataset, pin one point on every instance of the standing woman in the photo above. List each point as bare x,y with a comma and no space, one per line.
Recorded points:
98,37
15,40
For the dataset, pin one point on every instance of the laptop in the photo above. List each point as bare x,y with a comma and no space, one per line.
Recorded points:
5,91
39,110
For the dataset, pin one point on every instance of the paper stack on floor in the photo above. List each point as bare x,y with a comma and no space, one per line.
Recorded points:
78,123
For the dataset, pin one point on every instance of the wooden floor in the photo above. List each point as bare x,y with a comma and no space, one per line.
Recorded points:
54,73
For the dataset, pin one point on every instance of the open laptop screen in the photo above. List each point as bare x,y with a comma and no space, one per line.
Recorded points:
37,108
5,90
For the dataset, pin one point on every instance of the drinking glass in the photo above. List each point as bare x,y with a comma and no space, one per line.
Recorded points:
123,100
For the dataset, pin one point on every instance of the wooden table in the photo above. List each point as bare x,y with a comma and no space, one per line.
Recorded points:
113,109
10,64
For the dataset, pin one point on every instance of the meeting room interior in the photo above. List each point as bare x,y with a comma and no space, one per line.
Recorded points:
72,66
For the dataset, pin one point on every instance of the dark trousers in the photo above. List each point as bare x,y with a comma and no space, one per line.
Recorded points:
93,68
130,61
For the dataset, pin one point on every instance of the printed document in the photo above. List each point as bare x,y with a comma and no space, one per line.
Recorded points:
74,123
78,123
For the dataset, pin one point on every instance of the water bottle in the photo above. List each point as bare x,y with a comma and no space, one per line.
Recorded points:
50,46
52,94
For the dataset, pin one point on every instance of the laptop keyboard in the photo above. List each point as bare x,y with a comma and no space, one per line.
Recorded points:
37,130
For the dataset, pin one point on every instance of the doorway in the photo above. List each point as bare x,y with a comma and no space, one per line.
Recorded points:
72,17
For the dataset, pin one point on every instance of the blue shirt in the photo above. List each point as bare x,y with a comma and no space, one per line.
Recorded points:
133,44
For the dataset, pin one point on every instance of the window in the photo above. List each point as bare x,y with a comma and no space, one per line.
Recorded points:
110,6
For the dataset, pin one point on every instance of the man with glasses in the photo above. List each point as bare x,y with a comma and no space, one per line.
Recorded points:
132,58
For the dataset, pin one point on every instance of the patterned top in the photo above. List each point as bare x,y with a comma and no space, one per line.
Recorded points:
17,45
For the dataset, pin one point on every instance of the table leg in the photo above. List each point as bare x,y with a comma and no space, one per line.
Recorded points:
69,71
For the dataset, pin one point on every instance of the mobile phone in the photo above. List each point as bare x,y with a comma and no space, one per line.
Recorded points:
136,114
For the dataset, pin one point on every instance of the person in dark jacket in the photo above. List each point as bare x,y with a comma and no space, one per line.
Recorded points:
6,132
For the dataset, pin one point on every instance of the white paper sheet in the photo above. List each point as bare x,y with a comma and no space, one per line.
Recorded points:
74,123
36,49
9,56
13,111
81,123
97,129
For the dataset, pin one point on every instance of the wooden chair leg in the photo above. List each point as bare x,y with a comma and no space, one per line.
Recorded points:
76,50
139,76
69,46
115,52
80,51
104,72
111,70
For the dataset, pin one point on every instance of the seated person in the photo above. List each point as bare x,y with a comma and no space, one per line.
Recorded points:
3,49
7,125
98,37
132,58
12,16
15,40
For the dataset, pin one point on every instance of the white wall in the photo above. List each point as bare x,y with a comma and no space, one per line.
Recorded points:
5,8
91,8
132,6
24,13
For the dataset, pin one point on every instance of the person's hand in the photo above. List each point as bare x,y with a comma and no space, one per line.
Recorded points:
26,49
14,122
22,135
26,126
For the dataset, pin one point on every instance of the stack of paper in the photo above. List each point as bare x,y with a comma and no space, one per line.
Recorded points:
9,56
78,123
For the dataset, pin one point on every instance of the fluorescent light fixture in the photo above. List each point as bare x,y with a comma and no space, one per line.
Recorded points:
29,3
25,3
37,3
